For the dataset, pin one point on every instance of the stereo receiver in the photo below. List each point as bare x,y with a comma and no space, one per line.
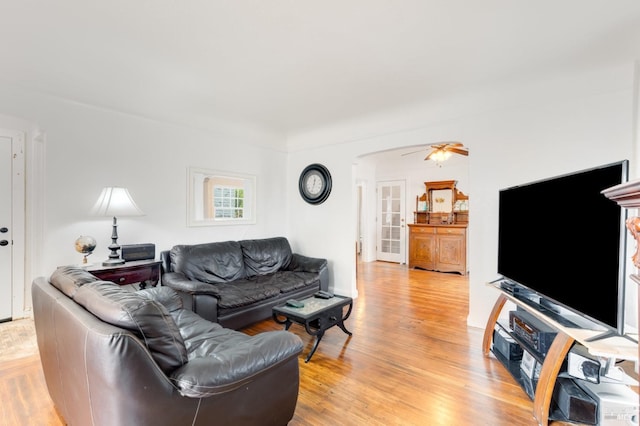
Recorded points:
532,331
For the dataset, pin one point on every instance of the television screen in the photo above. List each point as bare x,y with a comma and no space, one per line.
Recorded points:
563,239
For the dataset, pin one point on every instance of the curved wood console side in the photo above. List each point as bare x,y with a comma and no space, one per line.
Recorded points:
614,347
548,375
550,367
491,323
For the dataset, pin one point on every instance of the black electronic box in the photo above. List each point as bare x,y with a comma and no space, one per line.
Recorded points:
505,345
145,251
534,332
574,403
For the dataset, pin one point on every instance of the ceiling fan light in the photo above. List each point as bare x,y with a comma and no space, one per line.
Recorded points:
440,155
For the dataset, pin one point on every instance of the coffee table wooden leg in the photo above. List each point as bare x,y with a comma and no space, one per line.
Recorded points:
315,345
343,328
287,322
344,317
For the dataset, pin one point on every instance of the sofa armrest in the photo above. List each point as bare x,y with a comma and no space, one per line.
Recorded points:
235,365
165,261
300,263
179,282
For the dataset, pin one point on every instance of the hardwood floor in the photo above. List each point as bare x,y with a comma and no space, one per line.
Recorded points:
412,360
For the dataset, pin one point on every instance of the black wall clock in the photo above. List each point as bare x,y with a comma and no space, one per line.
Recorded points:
315,183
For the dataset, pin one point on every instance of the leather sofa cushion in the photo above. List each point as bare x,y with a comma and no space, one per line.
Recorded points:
68,279
210,262
244,293
221,358
286,281
193,329
143,316
266,255
164,295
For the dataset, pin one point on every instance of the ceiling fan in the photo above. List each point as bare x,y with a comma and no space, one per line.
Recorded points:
442,151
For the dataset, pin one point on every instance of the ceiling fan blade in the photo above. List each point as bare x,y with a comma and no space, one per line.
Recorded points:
445,144
454,147
412,152
458,151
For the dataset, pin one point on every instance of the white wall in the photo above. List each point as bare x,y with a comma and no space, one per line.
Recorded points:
515,134
88,148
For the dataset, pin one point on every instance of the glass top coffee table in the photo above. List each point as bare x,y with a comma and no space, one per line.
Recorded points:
317,315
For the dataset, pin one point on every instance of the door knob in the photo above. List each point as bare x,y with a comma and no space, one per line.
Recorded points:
4,230
4,243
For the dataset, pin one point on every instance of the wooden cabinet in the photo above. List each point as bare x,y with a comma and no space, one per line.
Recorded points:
440,248
145,272
438,238
422,247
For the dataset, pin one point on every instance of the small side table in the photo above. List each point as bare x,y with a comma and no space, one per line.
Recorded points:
317,315
145,272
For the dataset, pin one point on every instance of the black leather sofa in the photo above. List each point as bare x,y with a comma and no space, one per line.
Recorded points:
115,357
236,283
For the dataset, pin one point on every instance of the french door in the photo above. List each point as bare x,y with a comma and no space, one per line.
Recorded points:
390,228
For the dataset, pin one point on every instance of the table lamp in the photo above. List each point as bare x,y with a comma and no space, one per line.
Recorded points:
115,201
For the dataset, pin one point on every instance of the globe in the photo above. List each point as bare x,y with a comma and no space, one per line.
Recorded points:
85,245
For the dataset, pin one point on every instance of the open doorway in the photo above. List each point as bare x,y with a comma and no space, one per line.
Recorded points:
405,164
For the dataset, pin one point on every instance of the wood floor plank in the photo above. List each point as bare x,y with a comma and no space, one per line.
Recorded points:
24,396
412,360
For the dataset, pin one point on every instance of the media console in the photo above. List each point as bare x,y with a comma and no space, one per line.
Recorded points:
546,344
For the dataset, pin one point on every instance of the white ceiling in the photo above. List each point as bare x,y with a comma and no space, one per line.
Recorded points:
289,65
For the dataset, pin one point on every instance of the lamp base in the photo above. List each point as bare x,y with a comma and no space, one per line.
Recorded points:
114,257
113,262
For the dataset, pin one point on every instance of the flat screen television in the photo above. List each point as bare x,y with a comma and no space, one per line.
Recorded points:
563,240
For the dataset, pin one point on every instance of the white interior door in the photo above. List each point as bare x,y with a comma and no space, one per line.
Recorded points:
6,258
391,231
12,224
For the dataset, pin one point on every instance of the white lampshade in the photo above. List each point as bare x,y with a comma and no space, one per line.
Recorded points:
115,201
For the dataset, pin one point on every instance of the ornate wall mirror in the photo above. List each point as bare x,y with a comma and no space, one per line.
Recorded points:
220,198
441,201
441,195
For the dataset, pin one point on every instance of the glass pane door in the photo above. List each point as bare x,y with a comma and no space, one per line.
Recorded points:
391,232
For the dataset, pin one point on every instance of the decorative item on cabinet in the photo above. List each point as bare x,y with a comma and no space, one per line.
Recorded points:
85,245
442,203
461,207
422,207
